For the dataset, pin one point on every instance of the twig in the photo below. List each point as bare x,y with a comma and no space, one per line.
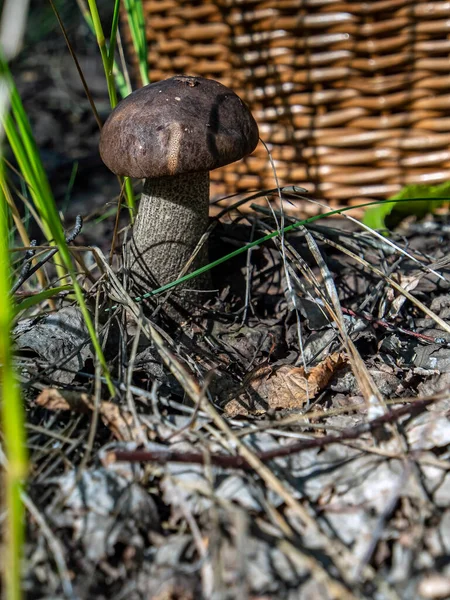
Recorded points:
76,229
396,328
403,291
24,272
238,462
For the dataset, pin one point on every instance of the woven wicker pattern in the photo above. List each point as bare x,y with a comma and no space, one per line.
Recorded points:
352,98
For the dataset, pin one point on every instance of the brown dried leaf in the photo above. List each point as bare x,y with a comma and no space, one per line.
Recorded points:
285,388
120,422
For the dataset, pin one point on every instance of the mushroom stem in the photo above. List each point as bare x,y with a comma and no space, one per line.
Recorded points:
172,217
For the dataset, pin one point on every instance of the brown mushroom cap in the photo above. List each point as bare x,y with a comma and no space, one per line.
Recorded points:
180,125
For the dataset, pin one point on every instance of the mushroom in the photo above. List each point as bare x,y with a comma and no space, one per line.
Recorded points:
171,134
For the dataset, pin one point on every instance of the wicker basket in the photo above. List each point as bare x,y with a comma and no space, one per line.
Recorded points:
352,98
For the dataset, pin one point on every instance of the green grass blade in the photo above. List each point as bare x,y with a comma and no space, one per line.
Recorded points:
109,66
98,29
136,23
12,421
113,36
266,238
11,411
22,142
121,84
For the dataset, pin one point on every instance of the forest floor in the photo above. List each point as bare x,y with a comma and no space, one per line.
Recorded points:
289,441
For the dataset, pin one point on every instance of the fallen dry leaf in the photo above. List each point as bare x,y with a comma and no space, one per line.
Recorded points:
119,421
284,388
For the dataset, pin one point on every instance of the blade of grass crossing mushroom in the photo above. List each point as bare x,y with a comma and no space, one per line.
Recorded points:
270,236
108,66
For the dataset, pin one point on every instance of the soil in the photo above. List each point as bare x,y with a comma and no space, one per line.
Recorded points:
290,440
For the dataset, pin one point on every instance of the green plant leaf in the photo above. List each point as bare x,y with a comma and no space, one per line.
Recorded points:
388,214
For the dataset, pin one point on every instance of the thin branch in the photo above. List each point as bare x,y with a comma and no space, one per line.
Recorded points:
238,462
24,272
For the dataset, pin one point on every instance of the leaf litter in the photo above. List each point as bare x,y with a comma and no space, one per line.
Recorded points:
310,339
357,511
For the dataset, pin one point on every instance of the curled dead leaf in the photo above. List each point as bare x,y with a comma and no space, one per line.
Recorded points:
119,421
287,387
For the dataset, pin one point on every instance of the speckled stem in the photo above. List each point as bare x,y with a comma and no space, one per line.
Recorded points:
172,217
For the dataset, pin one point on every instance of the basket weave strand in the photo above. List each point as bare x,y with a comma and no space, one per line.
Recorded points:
352,98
